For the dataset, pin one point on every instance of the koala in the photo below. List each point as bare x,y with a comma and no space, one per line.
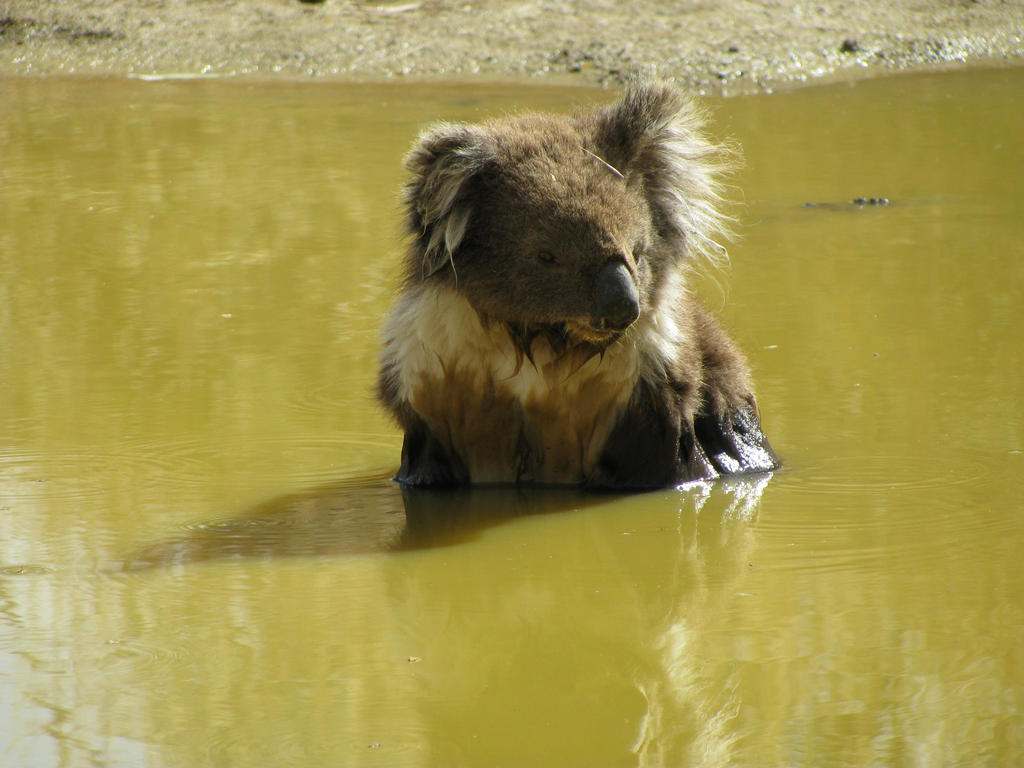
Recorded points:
543,332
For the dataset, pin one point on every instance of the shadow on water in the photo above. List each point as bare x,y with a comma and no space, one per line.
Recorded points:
370,515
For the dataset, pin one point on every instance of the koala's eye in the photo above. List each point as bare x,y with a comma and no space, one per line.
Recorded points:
547,257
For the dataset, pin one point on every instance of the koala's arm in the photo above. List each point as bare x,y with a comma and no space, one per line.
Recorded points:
654,444
643,448
726,426
425,460
699,424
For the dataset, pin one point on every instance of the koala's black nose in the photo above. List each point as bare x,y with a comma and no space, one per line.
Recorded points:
617,304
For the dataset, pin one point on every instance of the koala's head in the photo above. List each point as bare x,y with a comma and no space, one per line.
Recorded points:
568,223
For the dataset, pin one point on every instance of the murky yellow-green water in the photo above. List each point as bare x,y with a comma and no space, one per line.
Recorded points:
203,564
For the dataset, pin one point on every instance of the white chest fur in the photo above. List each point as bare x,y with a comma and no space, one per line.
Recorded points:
510,419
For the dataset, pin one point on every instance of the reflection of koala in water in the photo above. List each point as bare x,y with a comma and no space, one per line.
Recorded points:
544,333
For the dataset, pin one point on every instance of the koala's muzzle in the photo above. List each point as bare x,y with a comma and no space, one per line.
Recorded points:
616,302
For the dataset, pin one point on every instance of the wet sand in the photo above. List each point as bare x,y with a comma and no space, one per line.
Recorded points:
716,48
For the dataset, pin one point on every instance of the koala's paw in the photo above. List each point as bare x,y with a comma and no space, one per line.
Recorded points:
426,463
733,443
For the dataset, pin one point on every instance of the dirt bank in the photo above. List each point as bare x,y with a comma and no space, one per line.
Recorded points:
733,46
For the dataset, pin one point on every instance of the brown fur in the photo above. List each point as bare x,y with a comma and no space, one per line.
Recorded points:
543,333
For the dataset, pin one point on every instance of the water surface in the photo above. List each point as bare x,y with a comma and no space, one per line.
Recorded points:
202,561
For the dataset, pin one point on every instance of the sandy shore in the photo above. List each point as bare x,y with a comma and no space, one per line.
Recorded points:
725,47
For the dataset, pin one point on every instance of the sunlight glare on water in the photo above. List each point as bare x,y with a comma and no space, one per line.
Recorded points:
202,561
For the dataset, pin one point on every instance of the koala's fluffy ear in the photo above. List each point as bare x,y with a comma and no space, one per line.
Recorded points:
441,165
655,136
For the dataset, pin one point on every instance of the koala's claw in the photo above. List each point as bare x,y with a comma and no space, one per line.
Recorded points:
733,443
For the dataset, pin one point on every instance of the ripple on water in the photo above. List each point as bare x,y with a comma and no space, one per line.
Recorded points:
61,474
325,399
26,569
301,458
135,655
880,473
64,473
308,459
876,512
